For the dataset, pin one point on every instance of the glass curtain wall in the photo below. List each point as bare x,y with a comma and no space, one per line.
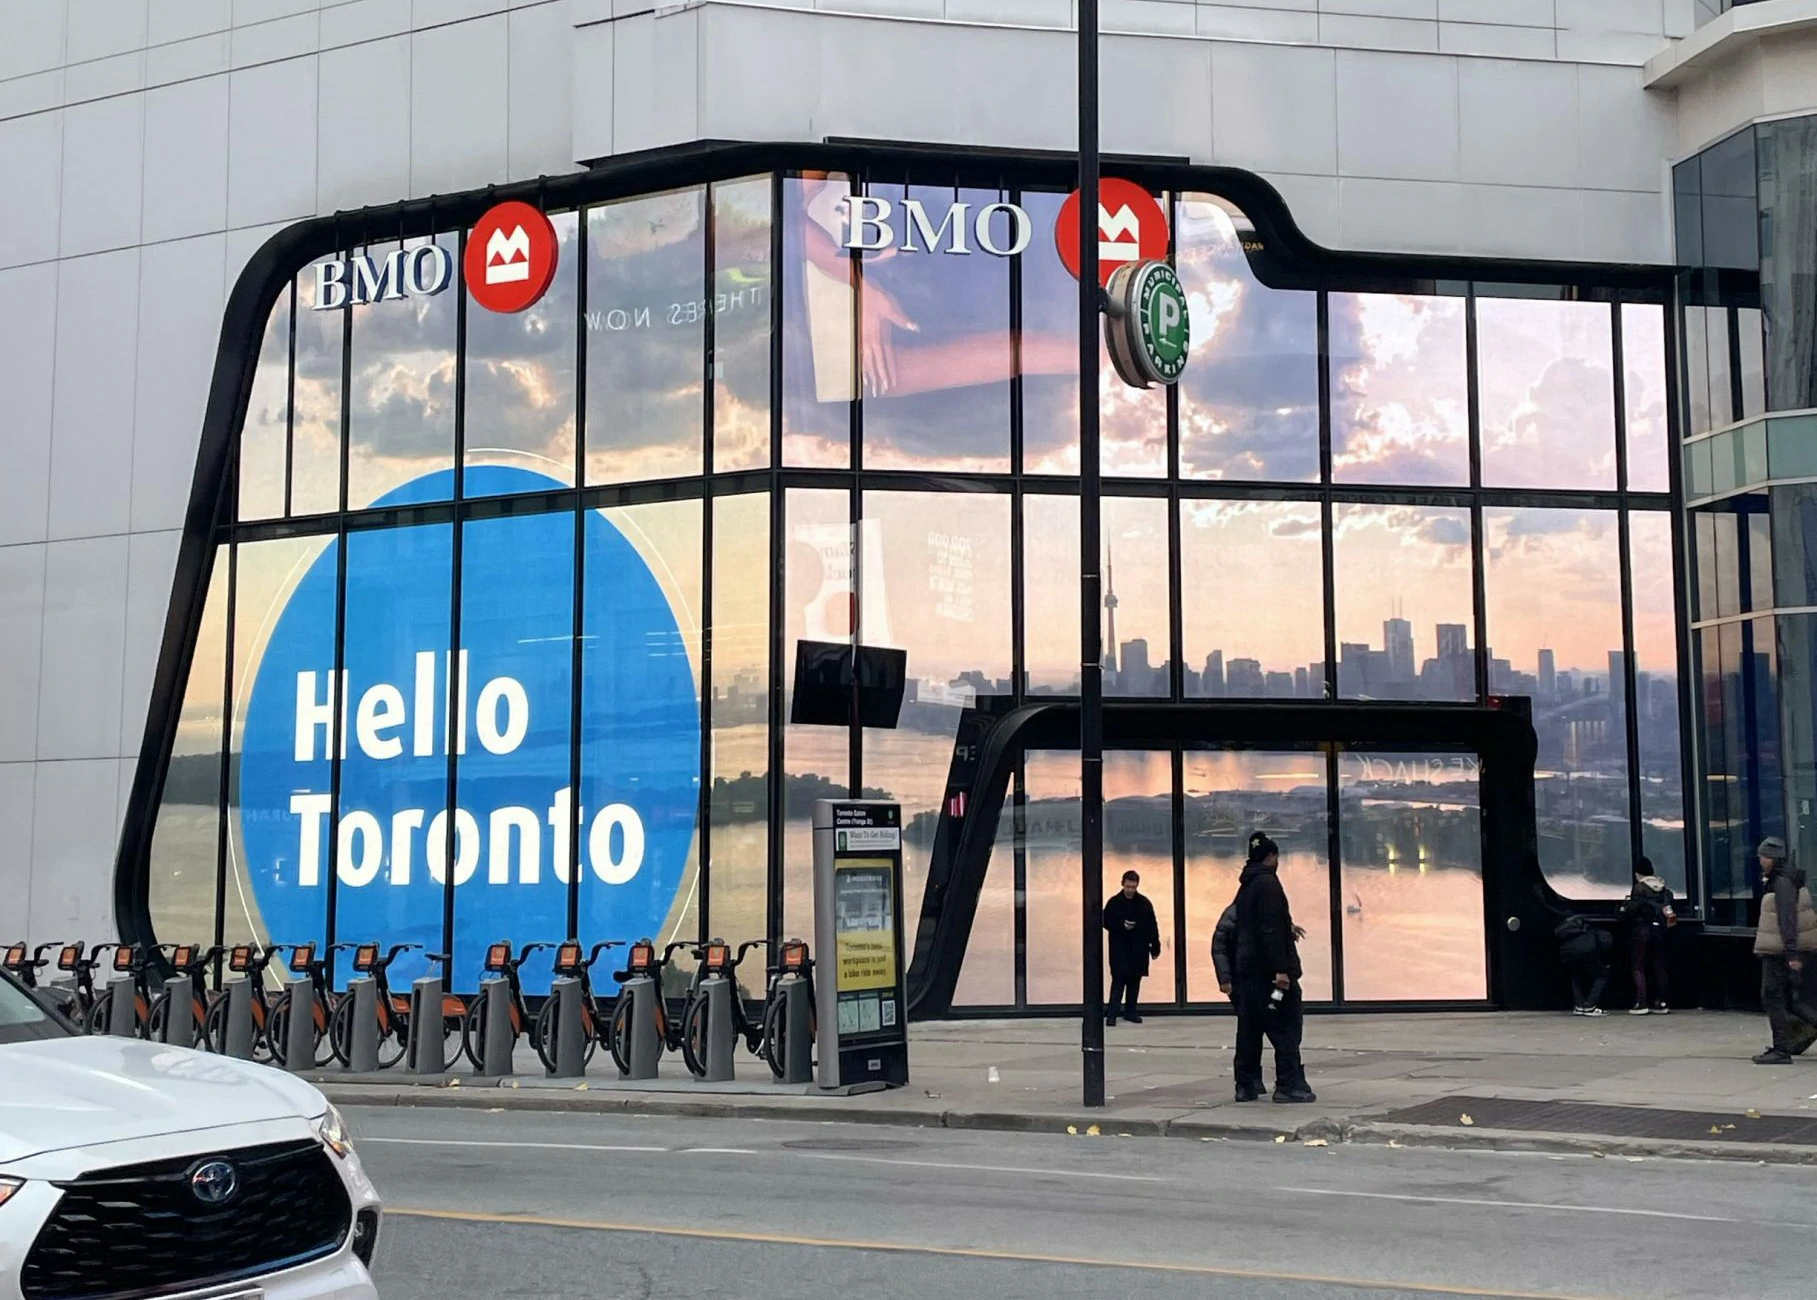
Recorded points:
502,628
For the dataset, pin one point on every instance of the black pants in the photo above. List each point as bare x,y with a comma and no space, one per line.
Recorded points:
1784,993
1587,984
1282,1025
1123,992
1647,965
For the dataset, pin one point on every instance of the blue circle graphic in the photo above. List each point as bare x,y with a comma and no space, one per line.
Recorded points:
497,717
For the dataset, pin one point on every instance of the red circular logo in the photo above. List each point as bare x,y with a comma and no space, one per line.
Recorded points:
510,261
1131,228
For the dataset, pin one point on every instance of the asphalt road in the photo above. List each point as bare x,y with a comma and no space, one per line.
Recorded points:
502,1206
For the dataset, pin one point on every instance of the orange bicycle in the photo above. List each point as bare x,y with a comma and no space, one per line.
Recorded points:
128,960
304,962
499,965
185,959
393,1009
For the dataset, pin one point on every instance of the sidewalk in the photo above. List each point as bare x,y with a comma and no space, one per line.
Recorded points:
1678,1085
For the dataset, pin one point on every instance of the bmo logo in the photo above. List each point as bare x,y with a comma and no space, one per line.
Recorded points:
511,256
1131,228
509,265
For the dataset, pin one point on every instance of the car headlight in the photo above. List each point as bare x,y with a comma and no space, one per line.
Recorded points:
7,1187
332,1129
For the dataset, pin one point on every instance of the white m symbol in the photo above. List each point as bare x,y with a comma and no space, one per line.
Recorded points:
1119,234
508,256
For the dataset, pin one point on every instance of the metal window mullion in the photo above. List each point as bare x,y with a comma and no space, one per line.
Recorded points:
577,665
1177,819
855,510
290,403
775,883
337,689
1334,865
1019,839
708,505
1479,599
451,688
1689,724
1327,535
223,826
1636,837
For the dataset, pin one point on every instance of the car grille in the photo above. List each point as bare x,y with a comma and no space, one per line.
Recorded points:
140,1230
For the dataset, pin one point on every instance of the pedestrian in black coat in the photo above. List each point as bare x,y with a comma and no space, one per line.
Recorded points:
1135,936
1267,986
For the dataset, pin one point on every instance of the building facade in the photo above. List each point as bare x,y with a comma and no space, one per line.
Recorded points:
345,606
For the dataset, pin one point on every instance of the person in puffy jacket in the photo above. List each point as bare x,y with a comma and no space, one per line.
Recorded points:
1267,979
1786,938
1649,912
1223,950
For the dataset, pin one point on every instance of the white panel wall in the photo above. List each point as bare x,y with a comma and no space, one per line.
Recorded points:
148,148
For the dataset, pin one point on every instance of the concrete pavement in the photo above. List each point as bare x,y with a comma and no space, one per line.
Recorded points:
1684,1084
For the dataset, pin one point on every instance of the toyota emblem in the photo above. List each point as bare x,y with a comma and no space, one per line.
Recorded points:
215,1182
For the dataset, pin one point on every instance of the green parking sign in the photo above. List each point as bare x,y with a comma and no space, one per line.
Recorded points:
1148,326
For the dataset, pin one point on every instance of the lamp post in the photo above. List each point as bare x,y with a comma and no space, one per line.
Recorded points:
1091,650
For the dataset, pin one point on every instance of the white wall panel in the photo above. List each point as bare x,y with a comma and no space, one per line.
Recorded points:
98,28
459,94
180,20
84,648
1528,222
31,159
1517,122
28,350
541,137
1239,23
1172,114
75,827
16,868
363,20
1400,216
1397,116
1274,107
34,35
656,80
1623,129
271,143
103,145
365,125
186,132
180,299
21,648
151,566
91,424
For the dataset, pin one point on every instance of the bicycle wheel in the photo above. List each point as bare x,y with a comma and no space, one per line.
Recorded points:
394,1039
542,1035
159,1015
340,1032
277,1029
100,1013
214,1024
473,1033
618,1039
694,1037
772,1048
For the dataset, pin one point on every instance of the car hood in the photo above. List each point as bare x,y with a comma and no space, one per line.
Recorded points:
77,1092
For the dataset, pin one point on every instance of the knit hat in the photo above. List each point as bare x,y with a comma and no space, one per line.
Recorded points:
1260,846
1772,848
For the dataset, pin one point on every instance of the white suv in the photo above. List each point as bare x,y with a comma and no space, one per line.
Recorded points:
130,1171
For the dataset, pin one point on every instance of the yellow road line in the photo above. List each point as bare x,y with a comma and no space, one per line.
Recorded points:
974,1252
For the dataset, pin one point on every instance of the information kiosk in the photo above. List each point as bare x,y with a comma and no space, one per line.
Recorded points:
863,1029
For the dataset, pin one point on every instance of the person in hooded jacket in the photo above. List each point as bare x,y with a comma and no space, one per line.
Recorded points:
1266,970
1223,950
1786,939
1649,913
1135,936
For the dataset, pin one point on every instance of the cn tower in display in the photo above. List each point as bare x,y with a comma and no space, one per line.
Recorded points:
1110,603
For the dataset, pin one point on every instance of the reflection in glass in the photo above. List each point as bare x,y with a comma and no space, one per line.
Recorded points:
1411,878
1052,898
1546,393
936,584
817,605
1643,359
1230,794
934,344
818,347
266,574
1133,422
401,412
265,434
741,324
1252,599
1136,596
1249,400
185,843
1750,341
1403,574
1050,600
1722,389
315,438
1138,837
1661,775
740,804
1398,401
650,756
1797,654
393,851
1552,579
520,374
646,335
1696,373
987,977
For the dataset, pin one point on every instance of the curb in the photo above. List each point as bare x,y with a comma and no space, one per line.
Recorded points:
1333,1131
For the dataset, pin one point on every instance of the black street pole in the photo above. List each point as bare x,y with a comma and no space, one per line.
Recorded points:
1091,650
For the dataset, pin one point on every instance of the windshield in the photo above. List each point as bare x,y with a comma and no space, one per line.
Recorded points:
21,1018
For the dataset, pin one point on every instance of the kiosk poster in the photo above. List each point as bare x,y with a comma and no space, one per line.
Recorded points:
865,929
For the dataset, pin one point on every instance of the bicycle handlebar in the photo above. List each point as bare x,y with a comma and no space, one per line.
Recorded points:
599,948
746,947
38,957
394,954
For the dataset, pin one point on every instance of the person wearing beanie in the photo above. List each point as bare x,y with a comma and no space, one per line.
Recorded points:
1649,912
1266,971
1786,938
